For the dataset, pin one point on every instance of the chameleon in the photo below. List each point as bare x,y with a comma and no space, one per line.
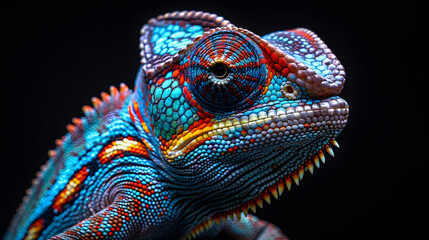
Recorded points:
220,120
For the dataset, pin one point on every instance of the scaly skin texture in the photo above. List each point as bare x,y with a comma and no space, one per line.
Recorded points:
219,119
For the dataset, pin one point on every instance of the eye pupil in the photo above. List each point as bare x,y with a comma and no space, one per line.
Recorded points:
220,70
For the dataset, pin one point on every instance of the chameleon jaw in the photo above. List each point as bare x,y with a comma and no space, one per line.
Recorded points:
294,121
275,190
284,122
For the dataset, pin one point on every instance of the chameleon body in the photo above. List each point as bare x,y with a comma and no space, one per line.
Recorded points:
219,120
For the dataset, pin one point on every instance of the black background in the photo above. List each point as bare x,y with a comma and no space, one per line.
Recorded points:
55,57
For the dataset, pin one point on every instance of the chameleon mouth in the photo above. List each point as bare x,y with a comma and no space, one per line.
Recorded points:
273,125
276,190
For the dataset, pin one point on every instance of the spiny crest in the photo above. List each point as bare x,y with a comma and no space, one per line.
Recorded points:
108,103
101,107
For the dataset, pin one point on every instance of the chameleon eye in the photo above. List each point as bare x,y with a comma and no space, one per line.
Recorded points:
226,71
220,70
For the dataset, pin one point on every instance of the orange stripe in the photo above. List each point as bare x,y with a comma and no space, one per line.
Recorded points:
136,108
71,189
119,147
131,114
34,230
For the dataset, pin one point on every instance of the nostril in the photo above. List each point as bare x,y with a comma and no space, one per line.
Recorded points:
289,89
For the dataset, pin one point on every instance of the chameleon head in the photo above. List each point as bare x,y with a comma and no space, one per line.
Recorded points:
241,116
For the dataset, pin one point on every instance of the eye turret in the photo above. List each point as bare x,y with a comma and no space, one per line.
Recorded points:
226,71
